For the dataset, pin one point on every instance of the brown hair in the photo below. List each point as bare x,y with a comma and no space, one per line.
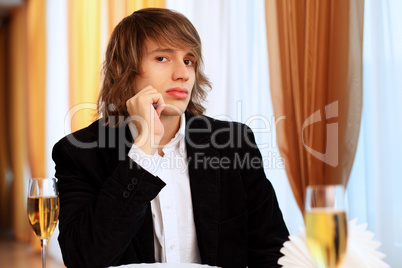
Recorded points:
126,48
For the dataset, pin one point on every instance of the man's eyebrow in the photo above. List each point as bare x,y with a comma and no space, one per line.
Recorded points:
169,50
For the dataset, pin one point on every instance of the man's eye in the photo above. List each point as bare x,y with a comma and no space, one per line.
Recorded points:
161,59
188,62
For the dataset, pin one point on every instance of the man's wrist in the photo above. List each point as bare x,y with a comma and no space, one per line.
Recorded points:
147,144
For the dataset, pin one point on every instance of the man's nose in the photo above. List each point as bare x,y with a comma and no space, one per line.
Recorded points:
181,71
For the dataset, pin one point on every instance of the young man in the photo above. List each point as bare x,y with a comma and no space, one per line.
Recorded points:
154,180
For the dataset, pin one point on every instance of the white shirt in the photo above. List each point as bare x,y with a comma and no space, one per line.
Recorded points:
172,210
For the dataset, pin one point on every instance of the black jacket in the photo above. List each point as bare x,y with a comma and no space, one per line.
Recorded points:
105,215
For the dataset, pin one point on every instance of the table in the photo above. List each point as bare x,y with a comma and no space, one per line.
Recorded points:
166,265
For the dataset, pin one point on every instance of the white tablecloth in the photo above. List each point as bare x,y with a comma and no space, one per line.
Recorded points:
166,265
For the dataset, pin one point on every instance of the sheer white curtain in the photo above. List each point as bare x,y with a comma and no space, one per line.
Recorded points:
56,90
235,54
374,189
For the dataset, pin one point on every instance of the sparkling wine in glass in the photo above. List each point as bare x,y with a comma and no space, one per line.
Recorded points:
43,209
326,226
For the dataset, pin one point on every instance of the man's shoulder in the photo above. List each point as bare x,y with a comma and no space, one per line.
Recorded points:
222,134
96,135
86,134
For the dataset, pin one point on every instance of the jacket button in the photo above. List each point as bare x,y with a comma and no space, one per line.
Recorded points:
134,181
126,194
130,187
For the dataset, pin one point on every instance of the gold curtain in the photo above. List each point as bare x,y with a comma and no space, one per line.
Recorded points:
24,94
84,60
23,91
17,119
36,93
138,4
118,9
86,45
315,63
4,165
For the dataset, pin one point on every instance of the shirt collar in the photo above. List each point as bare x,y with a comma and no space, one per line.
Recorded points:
178,139
181,133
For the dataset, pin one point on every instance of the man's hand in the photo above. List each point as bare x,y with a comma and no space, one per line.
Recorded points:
146,118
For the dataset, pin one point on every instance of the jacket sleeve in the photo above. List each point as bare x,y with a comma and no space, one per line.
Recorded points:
98,219
266,228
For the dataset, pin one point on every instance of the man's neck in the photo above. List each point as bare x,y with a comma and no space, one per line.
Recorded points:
171,125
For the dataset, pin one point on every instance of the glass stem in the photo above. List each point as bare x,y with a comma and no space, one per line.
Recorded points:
43,244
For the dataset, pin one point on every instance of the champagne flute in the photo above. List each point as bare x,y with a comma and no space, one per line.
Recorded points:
326,227
43,209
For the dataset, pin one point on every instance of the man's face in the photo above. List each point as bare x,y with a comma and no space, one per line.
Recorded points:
171,71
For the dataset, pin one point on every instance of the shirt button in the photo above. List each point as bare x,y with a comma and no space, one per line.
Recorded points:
171,246
126,194
134,181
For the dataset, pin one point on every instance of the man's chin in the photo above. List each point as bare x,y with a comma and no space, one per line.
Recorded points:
172,111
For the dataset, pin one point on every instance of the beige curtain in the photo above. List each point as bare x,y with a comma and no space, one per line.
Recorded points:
315,62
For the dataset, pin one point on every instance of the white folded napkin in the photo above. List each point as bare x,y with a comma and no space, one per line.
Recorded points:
361,250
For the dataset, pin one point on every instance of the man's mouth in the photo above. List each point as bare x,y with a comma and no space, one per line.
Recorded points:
177,92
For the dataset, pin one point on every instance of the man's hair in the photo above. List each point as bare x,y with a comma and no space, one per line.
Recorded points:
125,51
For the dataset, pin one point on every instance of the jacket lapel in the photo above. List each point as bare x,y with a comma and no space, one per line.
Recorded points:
114,143
205,185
